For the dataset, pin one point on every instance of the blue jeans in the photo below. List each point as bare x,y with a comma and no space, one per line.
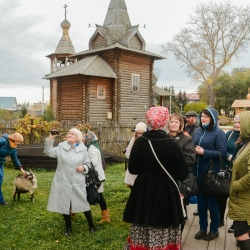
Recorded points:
1,182
205,202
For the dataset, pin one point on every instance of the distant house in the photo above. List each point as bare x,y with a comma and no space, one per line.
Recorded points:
8,103
193,97
242,105
37,109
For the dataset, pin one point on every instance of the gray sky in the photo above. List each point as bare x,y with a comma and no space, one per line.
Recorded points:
30,30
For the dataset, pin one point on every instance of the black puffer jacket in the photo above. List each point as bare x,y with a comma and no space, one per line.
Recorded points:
154,199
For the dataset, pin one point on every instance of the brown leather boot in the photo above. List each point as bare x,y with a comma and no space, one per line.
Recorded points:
105,216
72,215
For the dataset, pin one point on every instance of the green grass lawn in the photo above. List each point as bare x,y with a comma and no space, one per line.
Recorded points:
28,225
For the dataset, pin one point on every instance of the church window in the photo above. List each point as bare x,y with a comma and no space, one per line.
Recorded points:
101,91
135,82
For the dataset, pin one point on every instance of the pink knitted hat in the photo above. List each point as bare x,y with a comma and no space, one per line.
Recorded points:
157,117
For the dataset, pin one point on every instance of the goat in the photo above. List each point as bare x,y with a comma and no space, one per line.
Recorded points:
25,184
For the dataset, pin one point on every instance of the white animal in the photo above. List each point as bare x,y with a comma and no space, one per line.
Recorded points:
24,184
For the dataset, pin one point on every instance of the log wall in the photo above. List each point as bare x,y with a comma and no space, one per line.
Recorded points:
134,104
71,91
98,108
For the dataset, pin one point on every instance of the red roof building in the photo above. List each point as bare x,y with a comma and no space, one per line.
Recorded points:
193,97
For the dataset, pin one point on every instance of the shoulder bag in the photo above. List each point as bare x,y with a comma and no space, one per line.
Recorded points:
216,184
189,187
181,196
92,185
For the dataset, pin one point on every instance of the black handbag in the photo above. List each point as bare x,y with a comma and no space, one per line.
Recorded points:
189,187
217,184
92,185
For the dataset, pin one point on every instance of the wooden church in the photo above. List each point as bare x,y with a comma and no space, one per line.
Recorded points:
111,80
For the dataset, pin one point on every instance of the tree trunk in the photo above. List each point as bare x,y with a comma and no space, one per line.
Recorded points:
210,95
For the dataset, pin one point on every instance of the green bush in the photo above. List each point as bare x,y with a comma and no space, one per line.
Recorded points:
197,107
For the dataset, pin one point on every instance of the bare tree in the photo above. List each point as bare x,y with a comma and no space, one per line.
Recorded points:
214,35
157,73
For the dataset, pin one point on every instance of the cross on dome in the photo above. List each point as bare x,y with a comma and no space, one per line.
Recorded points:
65,6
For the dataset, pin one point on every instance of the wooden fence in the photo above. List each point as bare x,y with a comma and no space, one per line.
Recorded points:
113,138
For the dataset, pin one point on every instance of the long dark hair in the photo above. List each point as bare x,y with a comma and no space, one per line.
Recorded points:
211,124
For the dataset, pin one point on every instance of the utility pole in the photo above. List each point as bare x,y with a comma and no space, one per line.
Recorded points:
42,100
171,87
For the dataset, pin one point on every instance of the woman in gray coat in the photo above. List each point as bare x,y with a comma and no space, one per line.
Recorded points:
68,189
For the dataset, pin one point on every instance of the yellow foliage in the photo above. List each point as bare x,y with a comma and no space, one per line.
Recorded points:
39,127
209,80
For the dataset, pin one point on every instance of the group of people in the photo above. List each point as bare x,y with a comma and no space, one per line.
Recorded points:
162,152
182,144
68,190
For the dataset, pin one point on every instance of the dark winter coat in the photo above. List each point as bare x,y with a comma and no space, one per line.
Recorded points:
187,146
154,199
211,141
191,129
6,150
231,136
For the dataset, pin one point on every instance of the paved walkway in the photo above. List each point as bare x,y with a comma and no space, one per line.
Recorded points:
226,241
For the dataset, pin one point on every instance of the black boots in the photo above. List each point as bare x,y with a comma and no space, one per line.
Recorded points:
244,244
67,224
200,234
89,218
211,236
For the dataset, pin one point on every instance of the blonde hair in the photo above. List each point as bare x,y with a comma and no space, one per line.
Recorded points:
179,117
79,135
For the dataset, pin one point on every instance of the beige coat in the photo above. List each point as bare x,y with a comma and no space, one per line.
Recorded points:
68,185
129,178
95,157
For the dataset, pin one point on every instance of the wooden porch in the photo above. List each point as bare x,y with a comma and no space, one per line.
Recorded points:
226,241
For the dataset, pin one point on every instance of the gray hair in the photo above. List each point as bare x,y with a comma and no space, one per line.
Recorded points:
79,136
237,117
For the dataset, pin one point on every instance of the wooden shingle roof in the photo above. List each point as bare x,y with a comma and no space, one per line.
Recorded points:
65,46
244,103
117,45
117,26
91,66
117,19
160,91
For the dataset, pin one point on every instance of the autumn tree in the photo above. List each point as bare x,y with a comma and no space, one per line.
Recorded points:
230,87
48,114
7,115
24,109
215,33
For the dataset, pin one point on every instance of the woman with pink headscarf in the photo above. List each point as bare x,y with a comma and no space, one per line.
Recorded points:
154,207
